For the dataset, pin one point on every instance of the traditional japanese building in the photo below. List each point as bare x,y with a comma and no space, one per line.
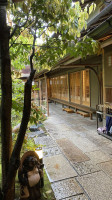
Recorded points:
79,83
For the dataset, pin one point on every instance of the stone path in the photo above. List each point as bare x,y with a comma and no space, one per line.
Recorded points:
77,160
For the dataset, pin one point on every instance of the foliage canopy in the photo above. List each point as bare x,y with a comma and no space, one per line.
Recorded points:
57,24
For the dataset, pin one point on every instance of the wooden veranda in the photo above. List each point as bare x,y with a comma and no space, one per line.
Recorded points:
71,83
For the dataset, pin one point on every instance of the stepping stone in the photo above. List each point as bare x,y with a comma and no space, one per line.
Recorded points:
58,168
73,153
97,185
51,151
45,141
66,188
34,128
32,134
39,133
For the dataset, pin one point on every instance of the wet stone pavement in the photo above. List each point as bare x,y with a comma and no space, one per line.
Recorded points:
77,160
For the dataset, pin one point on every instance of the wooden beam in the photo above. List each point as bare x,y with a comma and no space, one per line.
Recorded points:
77,65
71,66
106,43
62,60
73,60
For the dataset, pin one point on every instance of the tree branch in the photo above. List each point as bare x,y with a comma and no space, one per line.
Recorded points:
18,26
33,52
25,29
41,46
20,34
14,30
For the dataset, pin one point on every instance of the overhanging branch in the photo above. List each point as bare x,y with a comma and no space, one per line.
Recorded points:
18,26
33,52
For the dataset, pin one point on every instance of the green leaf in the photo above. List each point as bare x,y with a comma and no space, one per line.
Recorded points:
91,8
48,191
82,1
45,196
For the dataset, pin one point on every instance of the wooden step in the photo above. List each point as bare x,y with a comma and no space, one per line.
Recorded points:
64,109
68,110
83,113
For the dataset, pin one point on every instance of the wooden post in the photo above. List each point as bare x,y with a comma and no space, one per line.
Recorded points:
103,63
47,95
81,89
40,92
90,87
69,94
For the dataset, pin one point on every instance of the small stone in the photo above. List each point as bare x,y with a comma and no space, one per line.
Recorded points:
34,128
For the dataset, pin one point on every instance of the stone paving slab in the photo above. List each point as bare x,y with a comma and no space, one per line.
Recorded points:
85,168
57,135
107,147
97,185
89,126
46,141
98,156
81,134
79,197
40,133
80,128
73,153
51,151
58,126
84,144
99,141
73,133
66,188
60,129
106,167
58,168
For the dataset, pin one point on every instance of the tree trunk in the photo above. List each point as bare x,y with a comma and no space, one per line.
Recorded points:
15,157
10,162
6,101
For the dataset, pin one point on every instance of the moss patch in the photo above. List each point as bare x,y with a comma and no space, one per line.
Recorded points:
46,191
